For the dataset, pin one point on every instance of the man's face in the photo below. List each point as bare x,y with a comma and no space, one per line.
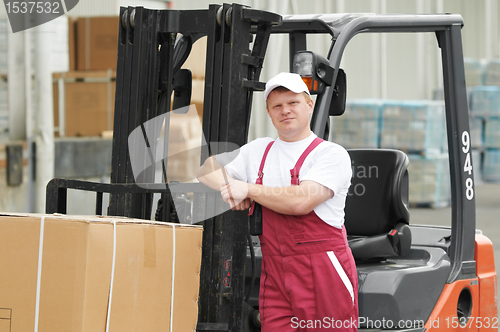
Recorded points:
289,112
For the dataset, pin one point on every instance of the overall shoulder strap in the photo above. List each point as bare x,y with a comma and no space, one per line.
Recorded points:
262,162
261,173
294,172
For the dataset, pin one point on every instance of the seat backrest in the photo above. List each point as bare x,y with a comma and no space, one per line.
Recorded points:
378,197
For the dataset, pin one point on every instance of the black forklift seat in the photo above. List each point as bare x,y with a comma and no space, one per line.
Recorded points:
376,210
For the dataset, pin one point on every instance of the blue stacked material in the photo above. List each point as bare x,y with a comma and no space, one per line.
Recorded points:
414,126
359,126
492,133
485,101
491,165
438,93
474,71
476,132
477,166
429,180
492,72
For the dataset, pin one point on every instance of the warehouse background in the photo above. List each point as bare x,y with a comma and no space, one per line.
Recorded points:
57,100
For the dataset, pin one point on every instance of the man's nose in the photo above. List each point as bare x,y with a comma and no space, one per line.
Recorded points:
285,110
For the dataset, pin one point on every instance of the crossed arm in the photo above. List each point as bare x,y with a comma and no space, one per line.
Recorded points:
292,200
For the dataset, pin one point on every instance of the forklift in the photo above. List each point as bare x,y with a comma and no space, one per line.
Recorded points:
411,277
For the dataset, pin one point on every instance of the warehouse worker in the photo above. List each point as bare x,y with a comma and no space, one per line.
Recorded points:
309,279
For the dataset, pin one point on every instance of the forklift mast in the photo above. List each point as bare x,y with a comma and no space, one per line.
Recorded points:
153,45
148,60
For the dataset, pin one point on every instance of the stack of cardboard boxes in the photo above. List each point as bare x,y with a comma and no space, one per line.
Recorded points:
196,62
4,110
185,130
185,143
84,96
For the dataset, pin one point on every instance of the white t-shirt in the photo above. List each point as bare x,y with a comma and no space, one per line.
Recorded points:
328,164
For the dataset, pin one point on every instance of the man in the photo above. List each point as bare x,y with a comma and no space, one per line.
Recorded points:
308,279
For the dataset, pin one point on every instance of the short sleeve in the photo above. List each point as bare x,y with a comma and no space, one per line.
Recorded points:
243,163
234,163
330,167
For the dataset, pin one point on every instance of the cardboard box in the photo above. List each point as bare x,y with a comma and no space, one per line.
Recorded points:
197,59
88,102
83,273
97,42
72,42
184,148
197,96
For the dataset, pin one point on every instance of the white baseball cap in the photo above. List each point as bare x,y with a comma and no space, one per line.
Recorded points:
291,81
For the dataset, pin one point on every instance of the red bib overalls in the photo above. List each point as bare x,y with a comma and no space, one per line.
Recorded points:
309,280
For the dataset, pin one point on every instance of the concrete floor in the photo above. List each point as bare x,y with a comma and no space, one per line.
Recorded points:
487,215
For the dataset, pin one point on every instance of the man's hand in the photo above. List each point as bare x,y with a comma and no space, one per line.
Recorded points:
235,193
244,205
